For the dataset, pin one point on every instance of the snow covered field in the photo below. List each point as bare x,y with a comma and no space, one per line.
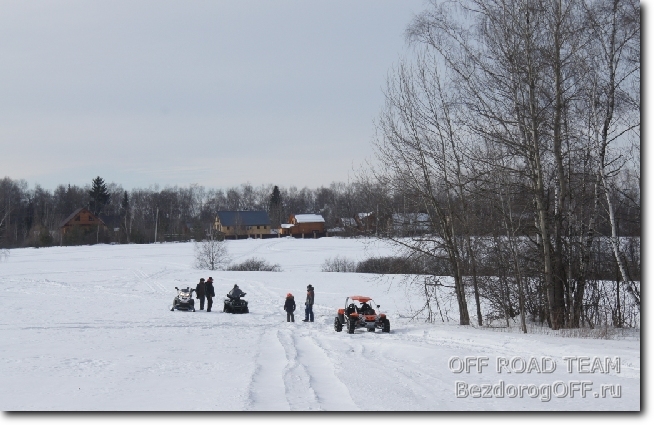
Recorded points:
90,328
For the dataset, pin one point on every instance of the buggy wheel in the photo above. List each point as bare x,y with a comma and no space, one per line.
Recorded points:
247,310
386,326
338,326
351,324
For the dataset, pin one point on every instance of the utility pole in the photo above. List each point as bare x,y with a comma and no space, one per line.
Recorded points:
156,223
377,222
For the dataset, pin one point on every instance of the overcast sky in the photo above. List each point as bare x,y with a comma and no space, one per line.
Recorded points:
178,92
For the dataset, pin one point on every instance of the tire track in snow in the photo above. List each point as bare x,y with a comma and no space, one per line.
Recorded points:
298,391
395,380
346,402
143,278
147,279
330,392
267,387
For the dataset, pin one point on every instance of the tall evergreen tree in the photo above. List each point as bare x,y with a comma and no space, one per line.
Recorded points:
125,204
275,208
125,213
99,195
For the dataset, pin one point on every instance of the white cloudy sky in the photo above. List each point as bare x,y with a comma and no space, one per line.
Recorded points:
178,92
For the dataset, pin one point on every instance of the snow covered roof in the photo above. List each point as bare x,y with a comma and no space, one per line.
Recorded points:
411,218
286,226
348,221
309,218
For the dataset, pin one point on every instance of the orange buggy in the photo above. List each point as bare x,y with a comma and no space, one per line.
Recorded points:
360,316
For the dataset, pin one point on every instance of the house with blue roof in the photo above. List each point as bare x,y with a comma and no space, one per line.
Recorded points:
242,224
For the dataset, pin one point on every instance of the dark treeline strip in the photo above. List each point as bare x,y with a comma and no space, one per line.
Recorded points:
32,217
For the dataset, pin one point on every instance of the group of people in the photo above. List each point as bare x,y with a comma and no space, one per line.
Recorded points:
204,290
289,306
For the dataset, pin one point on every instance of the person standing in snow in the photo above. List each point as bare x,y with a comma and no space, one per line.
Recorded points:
200,290
289,306
209,292
308,309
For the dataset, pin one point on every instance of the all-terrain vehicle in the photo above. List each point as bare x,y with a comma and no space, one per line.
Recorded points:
184,300
358,313
235,305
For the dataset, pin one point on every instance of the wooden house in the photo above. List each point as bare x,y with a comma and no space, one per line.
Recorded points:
82,218
366,222
306,224
243,224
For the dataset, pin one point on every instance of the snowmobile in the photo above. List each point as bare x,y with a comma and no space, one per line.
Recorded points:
184,300
360,316
235,304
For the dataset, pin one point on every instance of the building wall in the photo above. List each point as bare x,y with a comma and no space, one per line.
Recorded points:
261,229
307,228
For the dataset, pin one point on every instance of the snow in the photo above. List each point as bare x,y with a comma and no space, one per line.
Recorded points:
90,328
309,218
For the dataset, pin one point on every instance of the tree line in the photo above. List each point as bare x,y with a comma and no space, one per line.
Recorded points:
31,217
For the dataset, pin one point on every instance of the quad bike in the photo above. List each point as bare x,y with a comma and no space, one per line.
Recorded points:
360,316
235,305
183,300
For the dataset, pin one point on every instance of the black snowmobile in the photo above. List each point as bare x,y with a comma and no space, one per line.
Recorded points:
234,304
184,300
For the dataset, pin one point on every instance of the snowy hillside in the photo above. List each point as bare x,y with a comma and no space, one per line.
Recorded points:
90,328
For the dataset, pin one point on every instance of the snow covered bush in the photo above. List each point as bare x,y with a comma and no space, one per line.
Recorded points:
255,265
339,264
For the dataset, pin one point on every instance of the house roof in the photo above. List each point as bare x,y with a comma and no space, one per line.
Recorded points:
77,211
309,218
348,221
411,218
244,218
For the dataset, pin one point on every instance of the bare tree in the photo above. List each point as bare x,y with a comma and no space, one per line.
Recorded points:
616,24
211,253
418,148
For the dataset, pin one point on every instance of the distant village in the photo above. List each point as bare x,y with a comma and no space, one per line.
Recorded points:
257,225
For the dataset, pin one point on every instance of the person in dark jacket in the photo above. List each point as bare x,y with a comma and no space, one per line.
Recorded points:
200,292
236,292
209,292
308,309
289,306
